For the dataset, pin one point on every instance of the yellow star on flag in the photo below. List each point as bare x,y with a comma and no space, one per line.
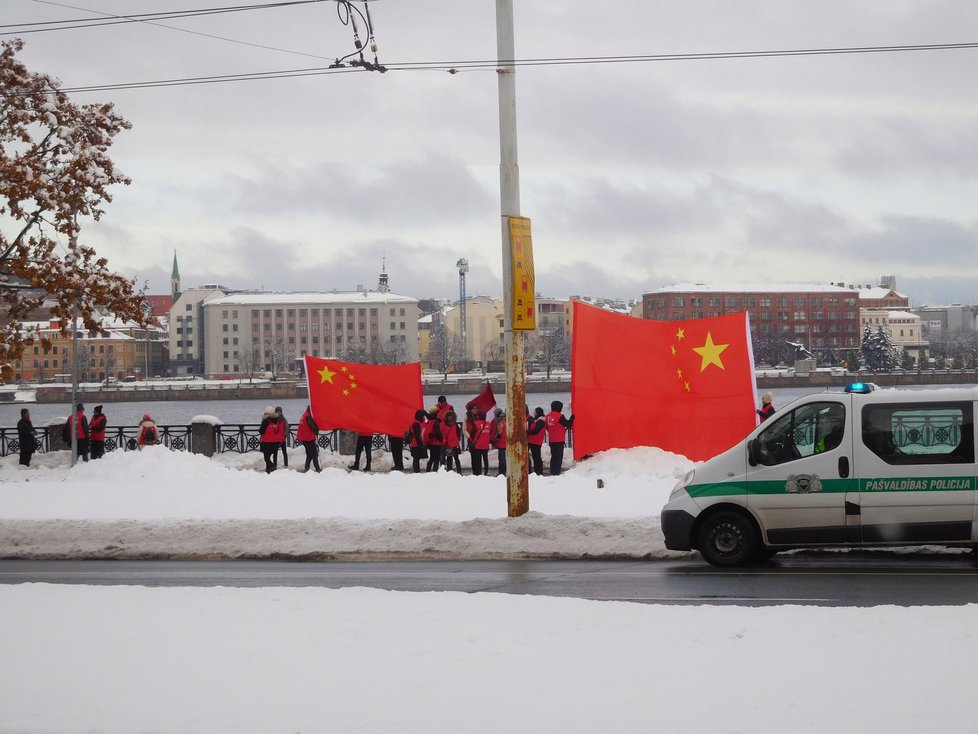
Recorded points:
681,334
710,353
326,375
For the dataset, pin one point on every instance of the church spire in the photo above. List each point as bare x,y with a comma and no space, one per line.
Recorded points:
175,278
383,285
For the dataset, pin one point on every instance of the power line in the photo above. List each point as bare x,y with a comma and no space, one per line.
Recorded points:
456,66
108,19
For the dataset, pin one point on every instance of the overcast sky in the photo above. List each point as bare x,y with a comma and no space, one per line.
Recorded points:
822,168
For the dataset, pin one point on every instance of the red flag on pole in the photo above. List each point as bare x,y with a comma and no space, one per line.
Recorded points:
684,386
363,397
484,401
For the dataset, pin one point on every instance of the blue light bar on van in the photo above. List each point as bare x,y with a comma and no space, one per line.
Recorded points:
862,387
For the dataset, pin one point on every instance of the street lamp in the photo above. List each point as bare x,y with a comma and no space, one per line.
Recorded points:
463,268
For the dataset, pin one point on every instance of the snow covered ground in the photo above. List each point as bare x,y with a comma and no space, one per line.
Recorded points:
125,659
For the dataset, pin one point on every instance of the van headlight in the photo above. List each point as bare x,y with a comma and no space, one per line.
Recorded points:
682,484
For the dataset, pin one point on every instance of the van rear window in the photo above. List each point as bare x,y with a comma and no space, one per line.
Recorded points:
920,433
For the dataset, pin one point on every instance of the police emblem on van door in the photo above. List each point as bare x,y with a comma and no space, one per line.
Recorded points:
803,484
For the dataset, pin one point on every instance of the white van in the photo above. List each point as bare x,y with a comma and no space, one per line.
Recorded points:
864,467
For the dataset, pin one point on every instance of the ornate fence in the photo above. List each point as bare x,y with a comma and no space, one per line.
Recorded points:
241,438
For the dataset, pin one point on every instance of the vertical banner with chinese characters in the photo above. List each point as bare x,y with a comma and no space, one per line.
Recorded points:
524,287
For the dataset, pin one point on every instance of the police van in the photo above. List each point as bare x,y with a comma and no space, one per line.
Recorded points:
864,467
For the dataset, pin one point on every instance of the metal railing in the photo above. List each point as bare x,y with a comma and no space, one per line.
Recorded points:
239,438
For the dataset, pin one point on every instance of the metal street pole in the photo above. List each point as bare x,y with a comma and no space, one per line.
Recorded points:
517,475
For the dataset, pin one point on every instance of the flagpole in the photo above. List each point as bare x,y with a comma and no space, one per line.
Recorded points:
517,475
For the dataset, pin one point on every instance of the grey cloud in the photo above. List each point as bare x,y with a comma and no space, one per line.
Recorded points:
432,189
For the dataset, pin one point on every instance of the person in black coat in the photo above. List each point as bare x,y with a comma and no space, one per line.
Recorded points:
26,436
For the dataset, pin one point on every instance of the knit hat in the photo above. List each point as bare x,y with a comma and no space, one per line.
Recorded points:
767,398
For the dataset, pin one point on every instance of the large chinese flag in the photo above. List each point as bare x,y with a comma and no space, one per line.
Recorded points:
363,397
685,386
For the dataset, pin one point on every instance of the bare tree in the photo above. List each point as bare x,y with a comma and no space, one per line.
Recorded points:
55,171
445,349
279,355
249,360
550,348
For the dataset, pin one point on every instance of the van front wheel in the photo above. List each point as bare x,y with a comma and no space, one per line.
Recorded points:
728,538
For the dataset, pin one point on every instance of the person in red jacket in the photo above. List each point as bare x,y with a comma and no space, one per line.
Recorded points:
453,441
536,427
272,432
306,434
79,424
557,426
415,438
767,407
443,406
480,438
97,428
434,439
498,439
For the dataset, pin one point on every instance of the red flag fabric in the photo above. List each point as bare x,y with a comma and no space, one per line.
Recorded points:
484,401
363,397
685,386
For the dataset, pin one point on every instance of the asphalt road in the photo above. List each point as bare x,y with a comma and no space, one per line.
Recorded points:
848,579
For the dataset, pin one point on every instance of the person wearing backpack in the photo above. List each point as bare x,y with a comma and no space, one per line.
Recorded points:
272,431
149,432
434,440
306,434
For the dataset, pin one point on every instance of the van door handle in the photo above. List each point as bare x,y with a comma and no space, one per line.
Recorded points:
843,466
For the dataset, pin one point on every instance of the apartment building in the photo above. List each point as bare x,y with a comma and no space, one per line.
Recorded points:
271,332
819,316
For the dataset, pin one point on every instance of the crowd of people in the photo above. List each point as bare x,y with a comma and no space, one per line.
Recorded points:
89,434
434,438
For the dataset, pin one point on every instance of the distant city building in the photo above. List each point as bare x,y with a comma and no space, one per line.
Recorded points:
249,332
118,349
483,325
905,329
881,297
941,323
822,317
187,329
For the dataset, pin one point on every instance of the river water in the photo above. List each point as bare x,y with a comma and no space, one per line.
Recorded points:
181,412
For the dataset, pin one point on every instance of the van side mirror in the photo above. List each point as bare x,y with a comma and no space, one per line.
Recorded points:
752,452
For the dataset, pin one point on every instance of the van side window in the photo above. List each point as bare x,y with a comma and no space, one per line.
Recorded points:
802,432
920,433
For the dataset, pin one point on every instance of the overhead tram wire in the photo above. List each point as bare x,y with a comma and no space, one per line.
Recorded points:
455,66
82,23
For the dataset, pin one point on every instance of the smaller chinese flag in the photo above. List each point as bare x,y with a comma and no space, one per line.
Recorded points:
367,398
685,386
484,401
